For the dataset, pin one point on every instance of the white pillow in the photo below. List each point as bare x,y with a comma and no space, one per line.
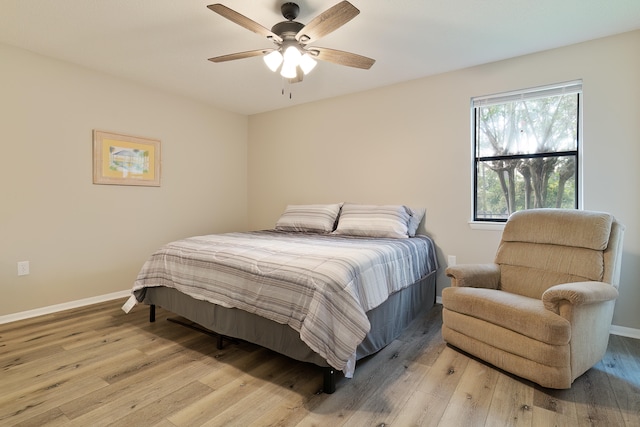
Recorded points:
374,221
416,216
310,218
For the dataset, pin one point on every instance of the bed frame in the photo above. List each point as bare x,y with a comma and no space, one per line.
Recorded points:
402,306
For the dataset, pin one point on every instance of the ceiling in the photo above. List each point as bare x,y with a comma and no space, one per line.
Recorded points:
166,43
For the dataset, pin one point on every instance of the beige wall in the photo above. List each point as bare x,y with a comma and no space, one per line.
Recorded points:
86,240
407,143
410,143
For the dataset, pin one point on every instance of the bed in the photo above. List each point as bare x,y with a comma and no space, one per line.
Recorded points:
329,285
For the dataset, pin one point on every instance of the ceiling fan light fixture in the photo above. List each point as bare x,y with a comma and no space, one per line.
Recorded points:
291,56
273,60
307,63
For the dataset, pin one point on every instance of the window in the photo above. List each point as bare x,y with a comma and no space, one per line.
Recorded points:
526,150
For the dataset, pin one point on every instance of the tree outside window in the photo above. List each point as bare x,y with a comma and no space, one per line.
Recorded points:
526,151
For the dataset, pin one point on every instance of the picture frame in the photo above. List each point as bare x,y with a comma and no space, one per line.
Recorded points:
125,160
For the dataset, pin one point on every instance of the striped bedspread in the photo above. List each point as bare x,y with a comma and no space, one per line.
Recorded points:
320,285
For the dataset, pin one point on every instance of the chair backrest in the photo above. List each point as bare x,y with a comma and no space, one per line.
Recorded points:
545,247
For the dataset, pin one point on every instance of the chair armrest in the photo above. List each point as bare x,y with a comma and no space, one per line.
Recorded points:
578,293
475,275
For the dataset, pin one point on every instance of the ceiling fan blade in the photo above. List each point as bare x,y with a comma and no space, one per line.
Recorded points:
243,21
327,22
241,55
342,58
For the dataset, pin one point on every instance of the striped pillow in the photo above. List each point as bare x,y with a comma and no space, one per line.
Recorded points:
374,221
310,218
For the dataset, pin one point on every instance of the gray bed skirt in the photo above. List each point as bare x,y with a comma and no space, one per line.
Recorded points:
387,320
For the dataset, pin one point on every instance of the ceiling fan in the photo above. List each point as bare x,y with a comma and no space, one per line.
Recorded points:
292,53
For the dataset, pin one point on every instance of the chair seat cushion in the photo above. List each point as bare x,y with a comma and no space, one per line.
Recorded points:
518,313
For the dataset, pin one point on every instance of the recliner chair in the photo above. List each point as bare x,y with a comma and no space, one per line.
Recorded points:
543,309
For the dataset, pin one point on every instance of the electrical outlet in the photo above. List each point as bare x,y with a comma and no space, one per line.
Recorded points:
451,261
23,268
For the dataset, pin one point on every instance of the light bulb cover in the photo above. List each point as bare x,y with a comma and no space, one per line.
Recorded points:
292,55
273,60
291,58
307,63
288,70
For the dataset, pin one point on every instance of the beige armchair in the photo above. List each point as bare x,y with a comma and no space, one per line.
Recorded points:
543,310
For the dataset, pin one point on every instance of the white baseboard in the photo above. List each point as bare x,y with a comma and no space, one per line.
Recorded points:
61,307
614,330
625,332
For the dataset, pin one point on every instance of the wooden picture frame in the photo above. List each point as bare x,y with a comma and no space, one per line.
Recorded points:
125,160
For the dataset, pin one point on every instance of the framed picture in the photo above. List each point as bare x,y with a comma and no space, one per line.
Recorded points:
125,160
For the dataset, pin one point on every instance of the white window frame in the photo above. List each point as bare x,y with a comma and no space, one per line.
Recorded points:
574,86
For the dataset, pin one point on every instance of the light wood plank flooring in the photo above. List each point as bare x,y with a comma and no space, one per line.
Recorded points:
97,366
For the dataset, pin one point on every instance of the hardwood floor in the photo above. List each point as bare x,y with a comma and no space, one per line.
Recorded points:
97,366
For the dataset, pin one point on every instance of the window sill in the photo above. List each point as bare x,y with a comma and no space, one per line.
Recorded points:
491,226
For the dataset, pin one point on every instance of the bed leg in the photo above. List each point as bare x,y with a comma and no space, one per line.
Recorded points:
329,382
219,342
152,313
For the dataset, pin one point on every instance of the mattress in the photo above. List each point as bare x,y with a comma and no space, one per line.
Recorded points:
320,286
